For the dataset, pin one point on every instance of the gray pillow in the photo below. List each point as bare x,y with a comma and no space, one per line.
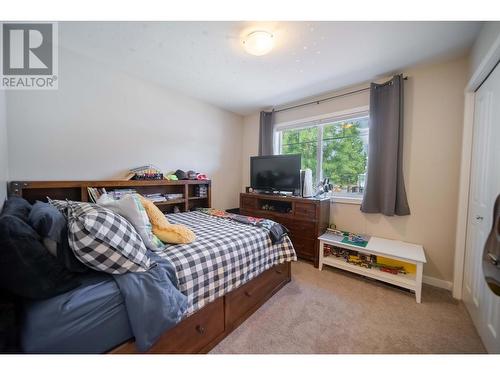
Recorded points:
52,226
131,208
18,207
47,221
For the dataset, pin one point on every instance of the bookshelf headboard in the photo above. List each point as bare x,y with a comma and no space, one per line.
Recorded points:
40,190
78,190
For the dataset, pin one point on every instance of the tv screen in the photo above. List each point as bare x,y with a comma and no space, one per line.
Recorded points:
275,173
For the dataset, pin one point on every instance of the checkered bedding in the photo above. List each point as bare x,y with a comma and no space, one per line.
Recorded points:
225,255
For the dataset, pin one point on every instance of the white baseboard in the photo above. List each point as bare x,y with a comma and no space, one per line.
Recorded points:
438,283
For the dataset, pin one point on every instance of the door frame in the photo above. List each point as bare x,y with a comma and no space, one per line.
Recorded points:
485,67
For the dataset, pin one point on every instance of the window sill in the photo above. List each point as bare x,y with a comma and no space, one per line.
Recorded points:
346,200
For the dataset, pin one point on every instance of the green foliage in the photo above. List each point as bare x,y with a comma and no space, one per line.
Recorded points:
344,156
304,142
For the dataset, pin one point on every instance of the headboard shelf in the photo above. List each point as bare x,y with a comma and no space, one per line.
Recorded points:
77,190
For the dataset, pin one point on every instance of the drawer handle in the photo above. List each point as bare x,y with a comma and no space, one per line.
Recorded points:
248,294
279,272
200,329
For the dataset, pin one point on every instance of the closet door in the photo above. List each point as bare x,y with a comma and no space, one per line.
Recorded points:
482,304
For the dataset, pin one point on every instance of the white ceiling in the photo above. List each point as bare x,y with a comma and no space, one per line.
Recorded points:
206,60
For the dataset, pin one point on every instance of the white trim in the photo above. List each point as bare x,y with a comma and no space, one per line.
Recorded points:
438,283
484,68
463,195
277,137
346,200
334,116
319,155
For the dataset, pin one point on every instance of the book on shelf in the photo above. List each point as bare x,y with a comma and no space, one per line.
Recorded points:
116,194
174,196
201,191
95,193
155,197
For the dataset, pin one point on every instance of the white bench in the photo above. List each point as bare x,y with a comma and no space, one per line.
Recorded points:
398,250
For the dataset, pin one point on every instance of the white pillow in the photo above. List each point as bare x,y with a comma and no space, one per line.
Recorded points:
131,208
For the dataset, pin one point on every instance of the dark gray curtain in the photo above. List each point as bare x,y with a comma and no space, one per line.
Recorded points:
266,133
385,189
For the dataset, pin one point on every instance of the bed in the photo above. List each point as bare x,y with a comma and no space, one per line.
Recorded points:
227,274
90,319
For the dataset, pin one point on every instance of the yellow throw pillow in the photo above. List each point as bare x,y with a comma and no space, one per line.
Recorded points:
166,232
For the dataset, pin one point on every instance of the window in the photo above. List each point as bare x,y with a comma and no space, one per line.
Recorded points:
304,142
334,148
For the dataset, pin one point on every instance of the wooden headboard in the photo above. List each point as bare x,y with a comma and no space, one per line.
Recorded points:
77,190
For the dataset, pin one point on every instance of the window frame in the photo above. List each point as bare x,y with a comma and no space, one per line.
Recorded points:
320,121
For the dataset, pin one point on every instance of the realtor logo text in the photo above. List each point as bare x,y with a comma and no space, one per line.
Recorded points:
29,56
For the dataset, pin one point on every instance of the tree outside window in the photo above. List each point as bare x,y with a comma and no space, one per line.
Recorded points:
344,152
304,142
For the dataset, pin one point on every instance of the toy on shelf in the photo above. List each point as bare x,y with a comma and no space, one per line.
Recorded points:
361,259
395,270
327,250
171,177
348,237
145,172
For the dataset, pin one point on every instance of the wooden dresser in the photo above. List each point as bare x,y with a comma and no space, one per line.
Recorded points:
305,218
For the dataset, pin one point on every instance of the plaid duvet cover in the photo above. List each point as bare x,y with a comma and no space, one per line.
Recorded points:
225,255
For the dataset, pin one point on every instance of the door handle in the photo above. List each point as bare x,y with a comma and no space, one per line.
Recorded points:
200,329
479,218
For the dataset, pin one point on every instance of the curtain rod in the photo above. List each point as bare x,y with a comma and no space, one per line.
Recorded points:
325,99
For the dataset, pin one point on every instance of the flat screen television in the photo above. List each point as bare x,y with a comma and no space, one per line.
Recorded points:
275,173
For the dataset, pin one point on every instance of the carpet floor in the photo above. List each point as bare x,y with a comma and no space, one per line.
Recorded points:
333,311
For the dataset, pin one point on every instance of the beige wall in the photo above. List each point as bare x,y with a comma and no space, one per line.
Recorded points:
433,124
250,146
101,122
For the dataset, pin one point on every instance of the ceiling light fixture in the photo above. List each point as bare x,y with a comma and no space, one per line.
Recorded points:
259,43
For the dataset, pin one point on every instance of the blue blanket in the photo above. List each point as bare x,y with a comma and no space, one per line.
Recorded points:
90,319
153,300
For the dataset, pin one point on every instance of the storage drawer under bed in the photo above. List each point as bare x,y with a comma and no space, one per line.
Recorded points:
206,327
191,335
241,302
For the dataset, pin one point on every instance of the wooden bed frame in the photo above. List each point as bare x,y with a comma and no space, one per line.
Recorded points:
204,329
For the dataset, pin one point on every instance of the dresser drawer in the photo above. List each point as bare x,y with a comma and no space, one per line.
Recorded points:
305,211
302,228
248,203
240,301
195,332
304,247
